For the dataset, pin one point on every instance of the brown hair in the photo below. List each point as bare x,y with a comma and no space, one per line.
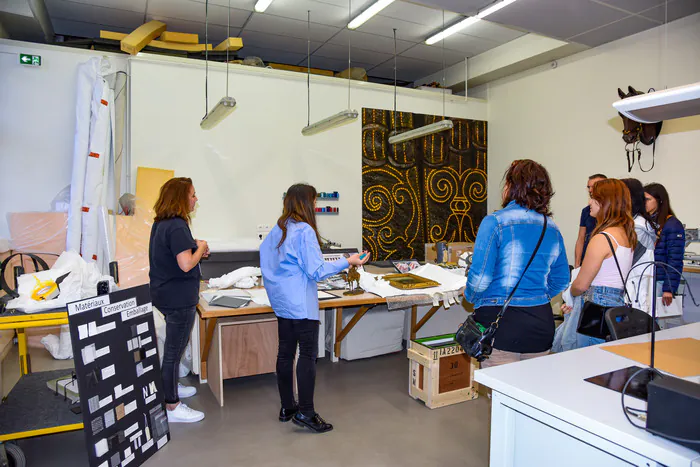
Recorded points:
663,203
174,200
299,207
527,183
615,208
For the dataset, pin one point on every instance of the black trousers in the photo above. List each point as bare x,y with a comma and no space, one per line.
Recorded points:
303,332
178,326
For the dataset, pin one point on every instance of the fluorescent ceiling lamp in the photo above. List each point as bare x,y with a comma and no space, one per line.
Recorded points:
220,111
261,5
494,8
338,119
467,22
682,101
419,132
376,7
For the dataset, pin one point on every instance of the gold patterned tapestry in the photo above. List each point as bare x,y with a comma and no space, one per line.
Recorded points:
426,190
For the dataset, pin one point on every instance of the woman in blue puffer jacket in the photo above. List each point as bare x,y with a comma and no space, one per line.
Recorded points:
670,247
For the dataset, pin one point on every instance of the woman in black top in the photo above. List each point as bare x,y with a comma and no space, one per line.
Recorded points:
174,257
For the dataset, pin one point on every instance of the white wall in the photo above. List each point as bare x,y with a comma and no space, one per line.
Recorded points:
564,119
37,124
242,167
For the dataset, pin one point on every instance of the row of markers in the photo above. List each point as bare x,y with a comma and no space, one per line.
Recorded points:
329,196
327,210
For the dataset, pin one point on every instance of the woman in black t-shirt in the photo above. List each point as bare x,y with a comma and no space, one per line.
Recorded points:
174,257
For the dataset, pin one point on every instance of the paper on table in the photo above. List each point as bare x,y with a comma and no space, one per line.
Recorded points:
259,296
680,357
211,294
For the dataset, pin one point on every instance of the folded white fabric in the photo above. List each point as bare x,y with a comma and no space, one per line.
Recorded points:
242,278
566,295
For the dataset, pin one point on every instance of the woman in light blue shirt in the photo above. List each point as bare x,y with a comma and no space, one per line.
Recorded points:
292,264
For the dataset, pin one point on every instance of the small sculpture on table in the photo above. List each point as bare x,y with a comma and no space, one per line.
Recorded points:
353,279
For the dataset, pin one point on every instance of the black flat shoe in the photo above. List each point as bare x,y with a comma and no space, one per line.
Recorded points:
315,423
287,414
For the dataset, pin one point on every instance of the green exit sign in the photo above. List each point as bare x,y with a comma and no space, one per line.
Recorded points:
31,60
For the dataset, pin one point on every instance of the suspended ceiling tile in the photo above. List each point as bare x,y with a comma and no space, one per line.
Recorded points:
289,27
628,26
492,31
68,27
417,14
556,18
322,12
468,45
194,11
62,9
370,41
676,9
384,26
408,69
248,5
271,41
433,53
633,6
465,7
129,5
340,52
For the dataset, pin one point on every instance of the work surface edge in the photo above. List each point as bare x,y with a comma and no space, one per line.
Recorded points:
555,385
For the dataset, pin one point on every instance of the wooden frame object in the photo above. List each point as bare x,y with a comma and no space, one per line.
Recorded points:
441,374
409,281
180,37
141,36
231,44
118,36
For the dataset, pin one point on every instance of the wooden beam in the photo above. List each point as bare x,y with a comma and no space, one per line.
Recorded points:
118,36
301,69
424,320
232,44
141,36
180,37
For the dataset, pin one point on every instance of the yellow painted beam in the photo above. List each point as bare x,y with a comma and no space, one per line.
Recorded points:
301,69
232,44
35,324
180,37
118,36
141,36
44,431
32,317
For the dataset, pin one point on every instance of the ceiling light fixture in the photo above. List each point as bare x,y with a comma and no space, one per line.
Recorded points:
467,22
375,8
341,117
424,130
261,5
225,106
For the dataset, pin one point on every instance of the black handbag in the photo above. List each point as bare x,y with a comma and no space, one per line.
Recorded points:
477,340
591,321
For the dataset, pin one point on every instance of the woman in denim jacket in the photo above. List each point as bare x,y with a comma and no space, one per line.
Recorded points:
504,244
599,280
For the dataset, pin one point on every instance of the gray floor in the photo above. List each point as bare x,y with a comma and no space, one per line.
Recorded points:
376,424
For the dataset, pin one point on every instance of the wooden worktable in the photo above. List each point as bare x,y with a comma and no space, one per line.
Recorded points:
208,316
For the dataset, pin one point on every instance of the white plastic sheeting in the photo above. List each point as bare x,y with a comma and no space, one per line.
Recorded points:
93,187
379,332
449,281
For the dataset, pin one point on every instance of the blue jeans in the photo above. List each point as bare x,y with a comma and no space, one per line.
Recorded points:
566,337
178,326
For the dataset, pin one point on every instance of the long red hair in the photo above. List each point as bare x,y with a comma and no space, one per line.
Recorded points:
615,208
174,200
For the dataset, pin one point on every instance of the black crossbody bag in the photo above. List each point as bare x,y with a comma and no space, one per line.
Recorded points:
477,340
591,321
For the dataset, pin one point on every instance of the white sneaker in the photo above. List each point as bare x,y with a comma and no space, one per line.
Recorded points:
184,392
183,414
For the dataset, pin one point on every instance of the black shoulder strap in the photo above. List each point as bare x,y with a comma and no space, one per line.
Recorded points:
534,253
605,234
38,262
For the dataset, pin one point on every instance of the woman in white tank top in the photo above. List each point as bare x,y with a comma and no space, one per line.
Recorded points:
600,281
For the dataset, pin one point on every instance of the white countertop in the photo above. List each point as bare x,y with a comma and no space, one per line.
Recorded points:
555,385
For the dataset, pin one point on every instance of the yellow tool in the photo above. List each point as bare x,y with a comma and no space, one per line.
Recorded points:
47,290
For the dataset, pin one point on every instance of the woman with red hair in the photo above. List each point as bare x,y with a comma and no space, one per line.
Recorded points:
612,243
